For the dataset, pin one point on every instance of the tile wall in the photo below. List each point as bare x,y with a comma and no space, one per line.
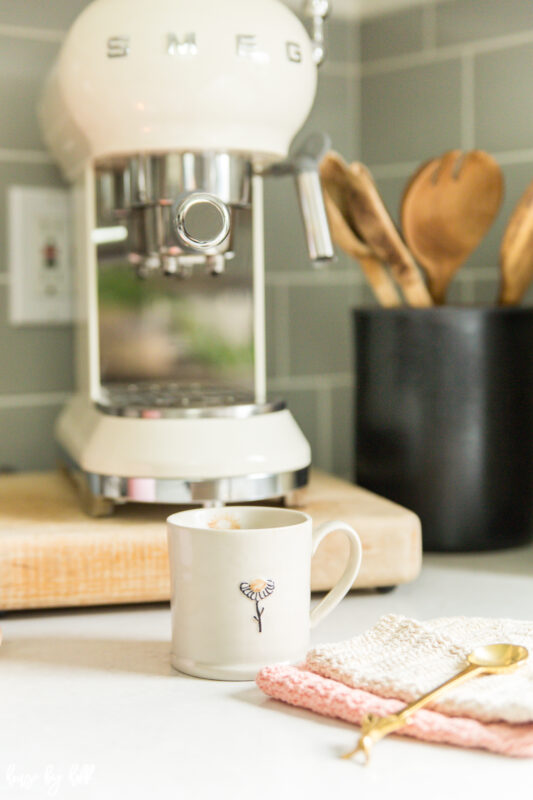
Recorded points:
454,74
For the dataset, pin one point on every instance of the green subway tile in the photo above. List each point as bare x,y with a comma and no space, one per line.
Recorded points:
516,177
462,21
364,296
320,329
58,14
391,191
334,113
24,64
392,34
27,438
503,106
485,292
342,40
36,358
285,247
274,330
411,114
15,174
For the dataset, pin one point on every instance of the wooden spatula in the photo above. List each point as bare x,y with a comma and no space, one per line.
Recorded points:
516,252
369,217
447,208
346,238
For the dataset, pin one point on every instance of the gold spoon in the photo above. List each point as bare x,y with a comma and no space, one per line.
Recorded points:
491,659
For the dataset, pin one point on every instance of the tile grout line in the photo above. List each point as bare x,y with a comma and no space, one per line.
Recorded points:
33,400
310,382
445,53
12,156
467,102
340,69
354,99
341,277
400,169
282,342
34,34
514,156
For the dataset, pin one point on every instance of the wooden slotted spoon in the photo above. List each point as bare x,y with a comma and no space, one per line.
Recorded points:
447,208
516,252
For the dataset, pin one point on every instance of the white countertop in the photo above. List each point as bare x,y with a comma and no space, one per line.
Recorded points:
90,707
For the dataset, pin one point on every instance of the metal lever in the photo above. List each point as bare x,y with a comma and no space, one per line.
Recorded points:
304,165
317,11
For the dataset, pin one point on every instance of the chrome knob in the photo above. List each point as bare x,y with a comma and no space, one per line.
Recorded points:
201,221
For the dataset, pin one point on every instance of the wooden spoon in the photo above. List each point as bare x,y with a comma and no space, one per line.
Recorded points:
447,207
372,219
368,216
347,239
516,251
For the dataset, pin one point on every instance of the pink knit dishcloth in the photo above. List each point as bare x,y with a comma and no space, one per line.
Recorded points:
300,687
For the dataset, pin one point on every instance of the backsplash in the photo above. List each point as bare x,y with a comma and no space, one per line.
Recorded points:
450,75
415,83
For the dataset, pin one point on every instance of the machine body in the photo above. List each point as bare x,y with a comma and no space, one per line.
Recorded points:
167,116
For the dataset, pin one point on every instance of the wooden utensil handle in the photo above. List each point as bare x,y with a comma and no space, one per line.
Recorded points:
344,237
369,215
380,282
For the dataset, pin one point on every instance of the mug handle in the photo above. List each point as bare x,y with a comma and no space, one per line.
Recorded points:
343,586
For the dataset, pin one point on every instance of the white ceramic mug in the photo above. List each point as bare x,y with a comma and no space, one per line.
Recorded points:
240,583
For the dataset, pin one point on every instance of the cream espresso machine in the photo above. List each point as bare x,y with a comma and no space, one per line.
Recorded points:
167,116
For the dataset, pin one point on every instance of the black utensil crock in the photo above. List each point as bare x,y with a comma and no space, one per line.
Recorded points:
444,420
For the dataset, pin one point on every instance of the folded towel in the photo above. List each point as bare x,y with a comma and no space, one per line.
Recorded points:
402,658
300,687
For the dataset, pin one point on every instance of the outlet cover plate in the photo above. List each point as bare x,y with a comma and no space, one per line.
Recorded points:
40,255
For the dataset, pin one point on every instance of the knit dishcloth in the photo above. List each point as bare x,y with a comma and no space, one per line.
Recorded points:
403,659
300,687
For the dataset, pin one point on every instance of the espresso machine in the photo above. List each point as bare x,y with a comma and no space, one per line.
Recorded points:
167,116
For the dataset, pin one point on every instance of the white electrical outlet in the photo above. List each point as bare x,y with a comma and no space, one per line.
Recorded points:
40,256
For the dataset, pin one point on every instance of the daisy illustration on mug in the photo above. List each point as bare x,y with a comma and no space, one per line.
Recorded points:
257,590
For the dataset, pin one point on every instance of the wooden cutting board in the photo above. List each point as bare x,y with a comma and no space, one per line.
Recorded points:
52,555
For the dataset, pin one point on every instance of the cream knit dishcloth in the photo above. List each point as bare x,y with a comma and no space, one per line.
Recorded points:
404,659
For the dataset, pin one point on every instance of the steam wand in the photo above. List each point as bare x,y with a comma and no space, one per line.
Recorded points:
304,166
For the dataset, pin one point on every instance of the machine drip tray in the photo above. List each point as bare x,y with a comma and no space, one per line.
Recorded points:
189,400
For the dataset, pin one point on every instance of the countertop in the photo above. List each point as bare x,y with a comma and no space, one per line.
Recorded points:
92,709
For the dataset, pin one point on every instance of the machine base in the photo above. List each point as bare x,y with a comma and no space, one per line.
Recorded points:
198,461
100,493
